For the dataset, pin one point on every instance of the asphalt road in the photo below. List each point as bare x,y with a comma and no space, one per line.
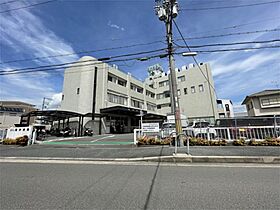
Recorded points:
148,186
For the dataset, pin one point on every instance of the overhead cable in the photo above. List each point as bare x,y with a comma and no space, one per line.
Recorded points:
28,6
135,45
231,7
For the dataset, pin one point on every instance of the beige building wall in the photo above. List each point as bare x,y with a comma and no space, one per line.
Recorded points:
255,108
78,90
9,118
196,97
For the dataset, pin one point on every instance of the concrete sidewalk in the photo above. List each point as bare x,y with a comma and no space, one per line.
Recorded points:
229,154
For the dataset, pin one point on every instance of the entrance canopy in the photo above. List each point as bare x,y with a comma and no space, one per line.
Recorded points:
127,111
53,115
120,110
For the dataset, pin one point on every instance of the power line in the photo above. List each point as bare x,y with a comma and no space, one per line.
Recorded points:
233,6
228,44
135,45
230,34
238,49
240,25
194,57
28,6
8,2
93,62
100,59
82,52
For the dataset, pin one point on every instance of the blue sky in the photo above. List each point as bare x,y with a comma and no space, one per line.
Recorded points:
65,26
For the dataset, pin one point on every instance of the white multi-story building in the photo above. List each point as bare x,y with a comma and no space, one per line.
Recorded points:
225,108
116,98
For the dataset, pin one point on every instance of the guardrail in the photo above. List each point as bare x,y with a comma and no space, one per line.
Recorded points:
226,133
249,132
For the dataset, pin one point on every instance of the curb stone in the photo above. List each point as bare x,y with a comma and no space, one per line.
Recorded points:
176,158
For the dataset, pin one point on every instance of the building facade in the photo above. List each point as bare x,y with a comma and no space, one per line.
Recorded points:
225,108
99,88
264,103
11,111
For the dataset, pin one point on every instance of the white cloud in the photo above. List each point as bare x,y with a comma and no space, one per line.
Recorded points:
115,26
56,101
244,65
25,32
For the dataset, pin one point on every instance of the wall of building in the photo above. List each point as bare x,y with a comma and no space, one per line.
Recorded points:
196,97
10,112
137,94
259,110
7,120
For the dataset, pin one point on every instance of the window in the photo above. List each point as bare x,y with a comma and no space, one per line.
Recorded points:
166,94
185,91
227,107
62,97
78,91
150,94
164,83
193,89
137,104
136,88
160,96
158,106
112,78
201,88
117,99
151,107
122,82
270,101
181,79
179,92
161,84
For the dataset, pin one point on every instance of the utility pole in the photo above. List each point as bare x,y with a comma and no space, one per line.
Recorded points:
44,102
166,11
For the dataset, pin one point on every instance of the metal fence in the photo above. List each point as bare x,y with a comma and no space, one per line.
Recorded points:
225,133
247,133
3,133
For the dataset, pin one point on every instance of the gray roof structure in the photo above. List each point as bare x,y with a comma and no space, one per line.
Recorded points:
261,93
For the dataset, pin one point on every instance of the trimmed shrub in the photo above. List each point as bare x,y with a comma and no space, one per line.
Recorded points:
9,142
146,140
266,142
22,141
239,142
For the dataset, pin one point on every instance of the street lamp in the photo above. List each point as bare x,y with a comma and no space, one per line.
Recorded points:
185,54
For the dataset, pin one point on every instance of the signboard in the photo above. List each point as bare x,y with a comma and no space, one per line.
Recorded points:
150,127
155,69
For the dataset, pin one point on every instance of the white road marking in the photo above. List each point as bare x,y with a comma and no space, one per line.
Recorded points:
103,138
134,163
